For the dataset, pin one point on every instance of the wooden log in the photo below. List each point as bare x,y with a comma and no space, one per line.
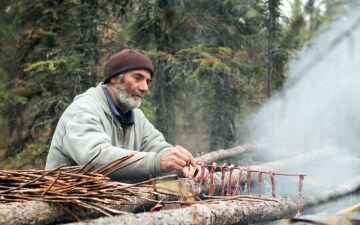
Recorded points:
222,154
39,213
219,212
232,211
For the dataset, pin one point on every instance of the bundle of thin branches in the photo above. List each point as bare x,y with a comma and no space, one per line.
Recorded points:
80,185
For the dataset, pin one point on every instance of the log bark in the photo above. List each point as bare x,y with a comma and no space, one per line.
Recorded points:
219,212
40,213
241,211
222,154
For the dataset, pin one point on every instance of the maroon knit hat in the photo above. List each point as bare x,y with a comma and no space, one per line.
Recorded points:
126,60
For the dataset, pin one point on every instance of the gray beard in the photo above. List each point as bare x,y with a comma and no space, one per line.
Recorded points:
123,97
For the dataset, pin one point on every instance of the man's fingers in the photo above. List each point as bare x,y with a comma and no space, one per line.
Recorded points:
178,163
186,171
192,172
177,159
186,154
189,171
171,161
201,174
176,167
181,153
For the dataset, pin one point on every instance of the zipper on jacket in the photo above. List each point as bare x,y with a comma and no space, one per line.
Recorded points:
125,136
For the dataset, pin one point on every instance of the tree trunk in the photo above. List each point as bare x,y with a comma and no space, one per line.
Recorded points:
223,154
241,211
88,44
215,114
164,89
218,212
164,103
222,108
273,5
38,212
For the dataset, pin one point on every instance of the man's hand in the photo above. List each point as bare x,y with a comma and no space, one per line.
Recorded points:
176,159
181,159
195,173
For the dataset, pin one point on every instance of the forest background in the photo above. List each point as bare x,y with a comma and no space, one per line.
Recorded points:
216,62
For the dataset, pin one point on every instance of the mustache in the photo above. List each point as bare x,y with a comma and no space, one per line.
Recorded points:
140,94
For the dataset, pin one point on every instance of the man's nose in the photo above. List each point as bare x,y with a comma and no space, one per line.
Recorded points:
144,87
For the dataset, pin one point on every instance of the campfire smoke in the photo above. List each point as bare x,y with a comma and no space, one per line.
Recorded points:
318,108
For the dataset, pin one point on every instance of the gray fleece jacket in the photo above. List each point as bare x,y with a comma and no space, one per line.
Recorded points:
88,125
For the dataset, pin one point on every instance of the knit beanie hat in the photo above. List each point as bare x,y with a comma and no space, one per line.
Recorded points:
126,60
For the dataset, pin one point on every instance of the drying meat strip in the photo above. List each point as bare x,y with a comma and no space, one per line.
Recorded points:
272,180
231,168
259,182
248,180
222,168
212,184
301,179
238,183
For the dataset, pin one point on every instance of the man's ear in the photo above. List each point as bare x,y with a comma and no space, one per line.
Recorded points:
113,80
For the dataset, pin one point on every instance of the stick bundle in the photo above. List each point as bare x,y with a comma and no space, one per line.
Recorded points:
76,184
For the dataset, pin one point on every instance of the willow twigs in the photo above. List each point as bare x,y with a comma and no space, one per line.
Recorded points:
73,191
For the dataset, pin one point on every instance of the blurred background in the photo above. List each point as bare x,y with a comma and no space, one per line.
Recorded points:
216,63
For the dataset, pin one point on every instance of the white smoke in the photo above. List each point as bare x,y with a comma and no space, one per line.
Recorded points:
319,107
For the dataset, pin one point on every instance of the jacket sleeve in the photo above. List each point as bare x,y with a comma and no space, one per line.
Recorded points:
153,141
85,136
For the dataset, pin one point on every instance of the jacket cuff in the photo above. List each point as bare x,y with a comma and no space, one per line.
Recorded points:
157,169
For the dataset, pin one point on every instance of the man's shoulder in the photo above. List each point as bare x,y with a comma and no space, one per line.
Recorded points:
90,101
91,94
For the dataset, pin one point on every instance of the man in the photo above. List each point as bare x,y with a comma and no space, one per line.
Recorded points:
107,118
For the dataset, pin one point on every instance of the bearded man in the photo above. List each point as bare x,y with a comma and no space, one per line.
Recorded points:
107,118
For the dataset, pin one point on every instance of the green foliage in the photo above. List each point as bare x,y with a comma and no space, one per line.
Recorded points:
48,66
219,67
147,109
13,97
210,62
207,61
252,13
169,58
32,156
55,66
39,82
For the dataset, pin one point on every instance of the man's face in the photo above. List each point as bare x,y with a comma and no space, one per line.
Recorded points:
129,89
